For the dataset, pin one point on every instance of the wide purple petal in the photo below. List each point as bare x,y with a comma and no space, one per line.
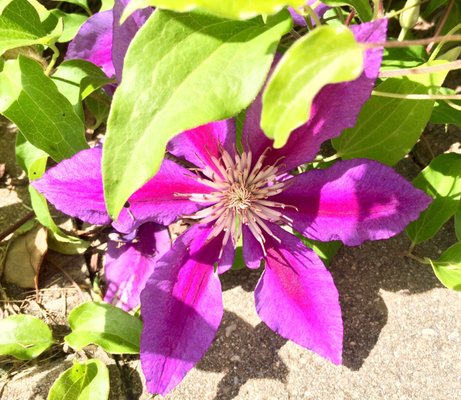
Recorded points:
129,264
181,306
123,34
199,145
74,186
352,201
297,298
93,42
162,199
335,108
251,249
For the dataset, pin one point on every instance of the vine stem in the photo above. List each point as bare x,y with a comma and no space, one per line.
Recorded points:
442,24
421,70
408,43
417,96
17,225
54,58
416,258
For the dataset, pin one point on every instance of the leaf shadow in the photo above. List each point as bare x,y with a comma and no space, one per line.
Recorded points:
243,352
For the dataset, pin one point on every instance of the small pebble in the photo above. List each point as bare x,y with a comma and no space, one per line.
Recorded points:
429,332
231,328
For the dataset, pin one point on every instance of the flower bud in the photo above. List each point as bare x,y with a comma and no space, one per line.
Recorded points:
409,17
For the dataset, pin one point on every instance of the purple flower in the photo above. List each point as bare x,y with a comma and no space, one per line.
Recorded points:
250,197
104,42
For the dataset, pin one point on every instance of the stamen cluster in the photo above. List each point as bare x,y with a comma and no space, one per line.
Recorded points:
240,197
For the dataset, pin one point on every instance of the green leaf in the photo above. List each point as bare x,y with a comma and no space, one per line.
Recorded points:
80,3
458,223
361,6
72,23
403,57
388,128
325,55
24,336
83,381
45,117
99,107
444,113
116,331
236,9
448,267
77,79
441,180
325,250
33,161
20,26
181,71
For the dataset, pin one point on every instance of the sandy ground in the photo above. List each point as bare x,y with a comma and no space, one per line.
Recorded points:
402,328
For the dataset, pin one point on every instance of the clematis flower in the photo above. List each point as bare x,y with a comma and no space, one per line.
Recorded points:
249,196
103,41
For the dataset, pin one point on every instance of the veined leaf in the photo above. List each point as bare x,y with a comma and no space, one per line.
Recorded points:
83,381
181,71
113,329
20,25
24,336
325,55
236,9
441,180
448,267
45,117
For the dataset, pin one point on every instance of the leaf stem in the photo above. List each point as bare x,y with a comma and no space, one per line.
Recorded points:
449,66
416,258
408,43
53,60
417,96
441,24
16,225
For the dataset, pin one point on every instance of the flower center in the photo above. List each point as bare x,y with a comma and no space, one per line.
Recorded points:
240,197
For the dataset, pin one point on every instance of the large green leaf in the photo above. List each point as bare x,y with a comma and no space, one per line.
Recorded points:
325,55
24,336
181,71
458,222
361,6
448,267
77,79
20,25
45,117
83,381
388,128
237,9
113,329
441,180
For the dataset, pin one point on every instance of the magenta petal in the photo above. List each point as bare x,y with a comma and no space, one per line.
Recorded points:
160,200
74,186
299,19
334,109
352,201
94,42
252,250
128,265
181,306
123,34
199,145
297,298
